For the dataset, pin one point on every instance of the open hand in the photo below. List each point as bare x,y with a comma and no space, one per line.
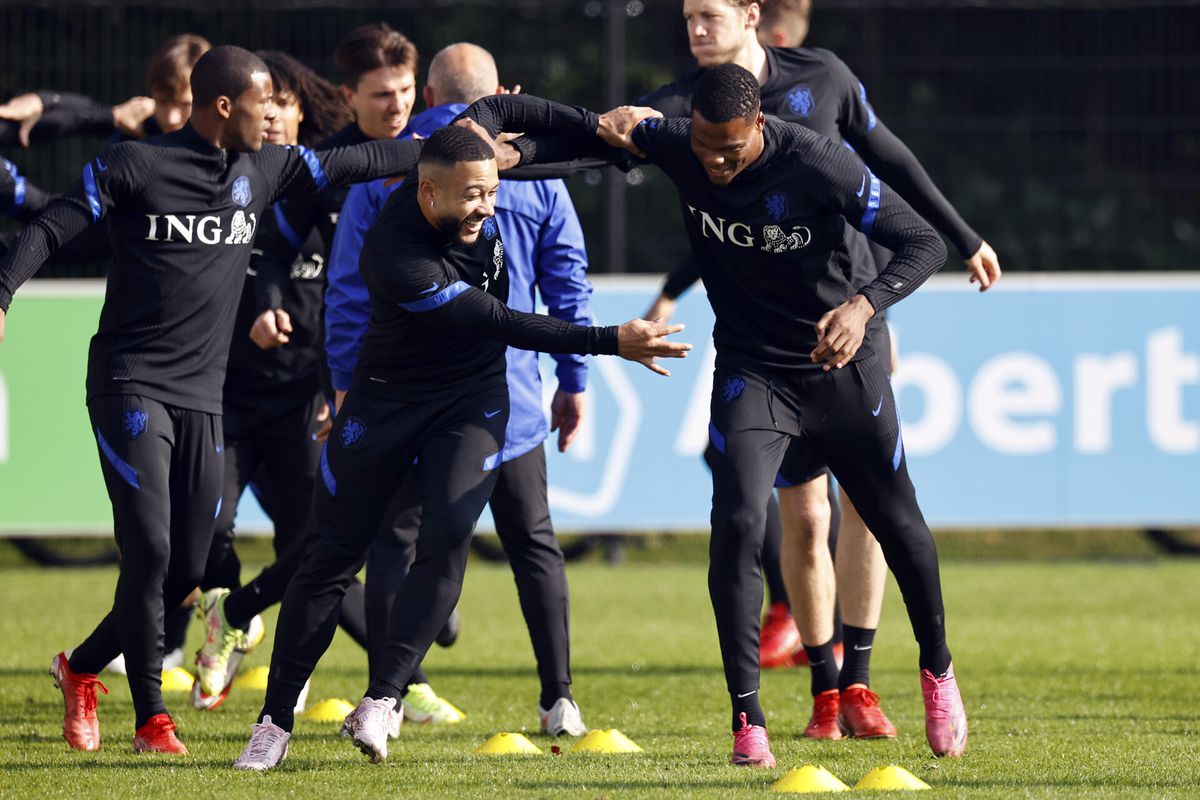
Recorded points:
642,341
128,117
506,155
26,109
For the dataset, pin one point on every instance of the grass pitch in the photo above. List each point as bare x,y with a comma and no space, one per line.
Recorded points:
1079,678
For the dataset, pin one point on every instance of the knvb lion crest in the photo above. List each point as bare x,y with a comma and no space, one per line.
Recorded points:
490,229
733,389
777,205
800,101
353,431
133,423
779,242
241,191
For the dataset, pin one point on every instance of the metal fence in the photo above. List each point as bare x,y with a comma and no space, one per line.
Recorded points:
1067,133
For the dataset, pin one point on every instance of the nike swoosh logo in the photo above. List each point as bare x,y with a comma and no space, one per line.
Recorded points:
861,188
747,694
490,414
220,448
432,288
878,408
100,164
860,649
816,663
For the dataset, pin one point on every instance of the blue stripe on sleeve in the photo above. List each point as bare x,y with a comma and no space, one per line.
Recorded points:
715,436
92,192
868,217
288,232
440,299
327,473
314,166
128,473
18,194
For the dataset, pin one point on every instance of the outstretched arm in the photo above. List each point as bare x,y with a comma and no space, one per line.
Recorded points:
298,169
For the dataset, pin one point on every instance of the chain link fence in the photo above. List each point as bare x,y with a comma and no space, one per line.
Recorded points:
1067,133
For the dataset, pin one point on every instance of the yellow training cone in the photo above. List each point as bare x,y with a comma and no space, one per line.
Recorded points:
330,710
611,741
508,744
177,679
809,779
255,678
891,779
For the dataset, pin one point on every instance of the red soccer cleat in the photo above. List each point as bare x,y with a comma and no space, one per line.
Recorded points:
158,736
824,722
945,716
751,747
779,639
81,728
861,717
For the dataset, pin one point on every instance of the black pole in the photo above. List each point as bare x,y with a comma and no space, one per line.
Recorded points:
613,66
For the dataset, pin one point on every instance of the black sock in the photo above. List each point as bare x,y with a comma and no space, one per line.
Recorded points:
552,692
241,606
381,689
283,717
935,658
856,668
824,667
747,703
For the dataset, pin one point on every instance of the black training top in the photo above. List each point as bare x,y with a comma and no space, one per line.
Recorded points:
294,218
439,320
280,378
181,216
770,245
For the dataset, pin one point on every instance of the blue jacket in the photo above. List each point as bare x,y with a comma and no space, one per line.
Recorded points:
543,249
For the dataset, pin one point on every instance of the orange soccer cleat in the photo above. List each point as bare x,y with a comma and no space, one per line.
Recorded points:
779,639
81,728
824,722
158,736
861,717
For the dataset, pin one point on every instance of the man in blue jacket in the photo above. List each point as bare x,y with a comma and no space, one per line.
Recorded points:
545,252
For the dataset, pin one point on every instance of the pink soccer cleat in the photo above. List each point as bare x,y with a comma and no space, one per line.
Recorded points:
750,746
945,716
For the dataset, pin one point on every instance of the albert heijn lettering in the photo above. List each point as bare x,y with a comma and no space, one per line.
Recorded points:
773,238
207,229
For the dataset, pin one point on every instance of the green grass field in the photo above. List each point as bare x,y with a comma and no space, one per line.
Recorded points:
1079,677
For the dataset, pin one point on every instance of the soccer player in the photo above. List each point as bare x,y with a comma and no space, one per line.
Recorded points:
544,252
274,406
181,210
45,116
815,89
378,69
429,386
765,204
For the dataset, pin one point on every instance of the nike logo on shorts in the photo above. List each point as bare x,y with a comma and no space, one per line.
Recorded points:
878,408
490,414
860,649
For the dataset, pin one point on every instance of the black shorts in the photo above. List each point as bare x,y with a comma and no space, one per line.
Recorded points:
802,463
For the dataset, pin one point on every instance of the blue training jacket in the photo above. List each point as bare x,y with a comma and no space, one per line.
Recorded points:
543,249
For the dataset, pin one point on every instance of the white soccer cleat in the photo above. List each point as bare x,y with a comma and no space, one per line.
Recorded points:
394,723
267,748
173,659
562,718
368,726
302,700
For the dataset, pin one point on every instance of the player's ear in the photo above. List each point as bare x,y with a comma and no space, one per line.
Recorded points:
761,121
427,96
753,15
224,106
427,193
